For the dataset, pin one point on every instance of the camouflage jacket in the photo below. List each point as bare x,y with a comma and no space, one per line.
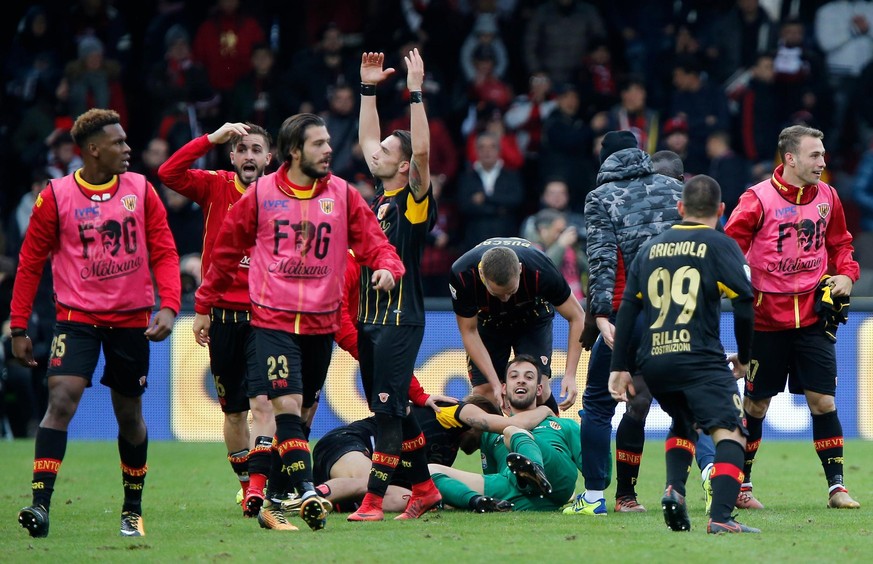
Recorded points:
630,205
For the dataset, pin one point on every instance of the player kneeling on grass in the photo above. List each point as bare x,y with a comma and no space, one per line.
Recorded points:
534,470
676,281
341,458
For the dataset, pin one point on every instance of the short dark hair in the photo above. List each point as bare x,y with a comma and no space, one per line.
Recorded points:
92,123
546,217
500,265
292,134
701,196
254,129
789,138
405,138
524,357
669,164
483,403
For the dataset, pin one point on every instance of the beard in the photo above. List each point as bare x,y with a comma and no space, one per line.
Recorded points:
308,168
522,403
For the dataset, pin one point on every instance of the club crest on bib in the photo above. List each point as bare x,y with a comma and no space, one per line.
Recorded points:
129,202
824,210
326,205
383,397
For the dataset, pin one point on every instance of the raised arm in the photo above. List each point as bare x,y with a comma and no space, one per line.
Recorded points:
419,168
369,134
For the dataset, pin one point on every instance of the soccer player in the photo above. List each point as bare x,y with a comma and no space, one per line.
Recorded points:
631,204
676,281
341,458
391,324
232,355
104,228
534,470
793,231
299,223
504,293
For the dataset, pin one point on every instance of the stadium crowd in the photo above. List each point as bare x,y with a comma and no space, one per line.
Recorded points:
519,96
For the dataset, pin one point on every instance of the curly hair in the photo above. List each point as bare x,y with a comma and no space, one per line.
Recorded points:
91,123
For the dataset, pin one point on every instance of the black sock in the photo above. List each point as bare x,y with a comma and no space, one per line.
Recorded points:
727,477
755,426
133,472
413,450
295,467
552,404
386,454
630,437
49,451
827,437
261,456
679,455
239,461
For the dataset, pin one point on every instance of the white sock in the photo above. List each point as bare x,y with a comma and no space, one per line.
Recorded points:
592,496
705,472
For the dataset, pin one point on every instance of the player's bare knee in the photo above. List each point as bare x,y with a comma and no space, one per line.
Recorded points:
756,407
638,406
819,404
237,419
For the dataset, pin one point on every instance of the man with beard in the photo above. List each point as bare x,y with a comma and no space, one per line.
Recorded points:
298,223
391,324
534,470
232,343
341,458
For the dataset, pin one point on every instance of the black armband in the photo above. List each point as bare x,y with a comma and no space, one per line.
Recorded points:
368,89
19,332
415,97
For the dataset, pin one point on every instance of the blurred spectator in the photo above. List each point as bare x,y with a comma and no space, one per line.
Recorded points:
185,220
34,58
486,86
632,114
597,80
675,138
732,171
555,196
441,246
844,31
259,96
62,159
153,156
170,13
484,38
558,36
94,81
191,271
566,148
224,43
862,192
703,106
798,75
490,120
39,123
802,11
100,19
560,242
436,86
527,112
489,195
317,69
745,32
342,123
761,116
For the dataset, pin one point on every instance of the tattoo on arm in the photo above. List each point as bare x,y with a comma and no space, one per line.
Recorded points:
478,423
414,179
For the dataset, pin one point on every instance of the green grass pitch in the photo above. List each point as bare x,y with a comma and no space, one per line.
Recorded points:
190,516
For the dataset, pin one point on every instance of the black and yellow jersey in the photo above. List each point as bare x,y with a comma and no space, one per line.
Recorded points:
406,222
678,279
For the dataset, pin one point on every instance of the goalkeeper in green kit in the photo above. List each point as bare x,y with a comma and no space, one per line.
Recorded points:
533,470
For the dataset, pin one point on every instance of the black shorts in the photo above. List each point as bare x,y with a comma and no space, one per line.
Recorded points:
533,338
76,348
804,357
337,443
713,403
293,364
387,356
233,359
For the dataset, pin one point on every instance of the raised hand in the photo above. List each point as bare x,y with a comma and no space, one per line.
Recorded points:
371,68
415,70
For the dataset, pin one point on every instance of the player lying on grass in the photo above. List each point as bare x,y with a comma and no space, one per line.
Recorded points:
341,458
534,470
